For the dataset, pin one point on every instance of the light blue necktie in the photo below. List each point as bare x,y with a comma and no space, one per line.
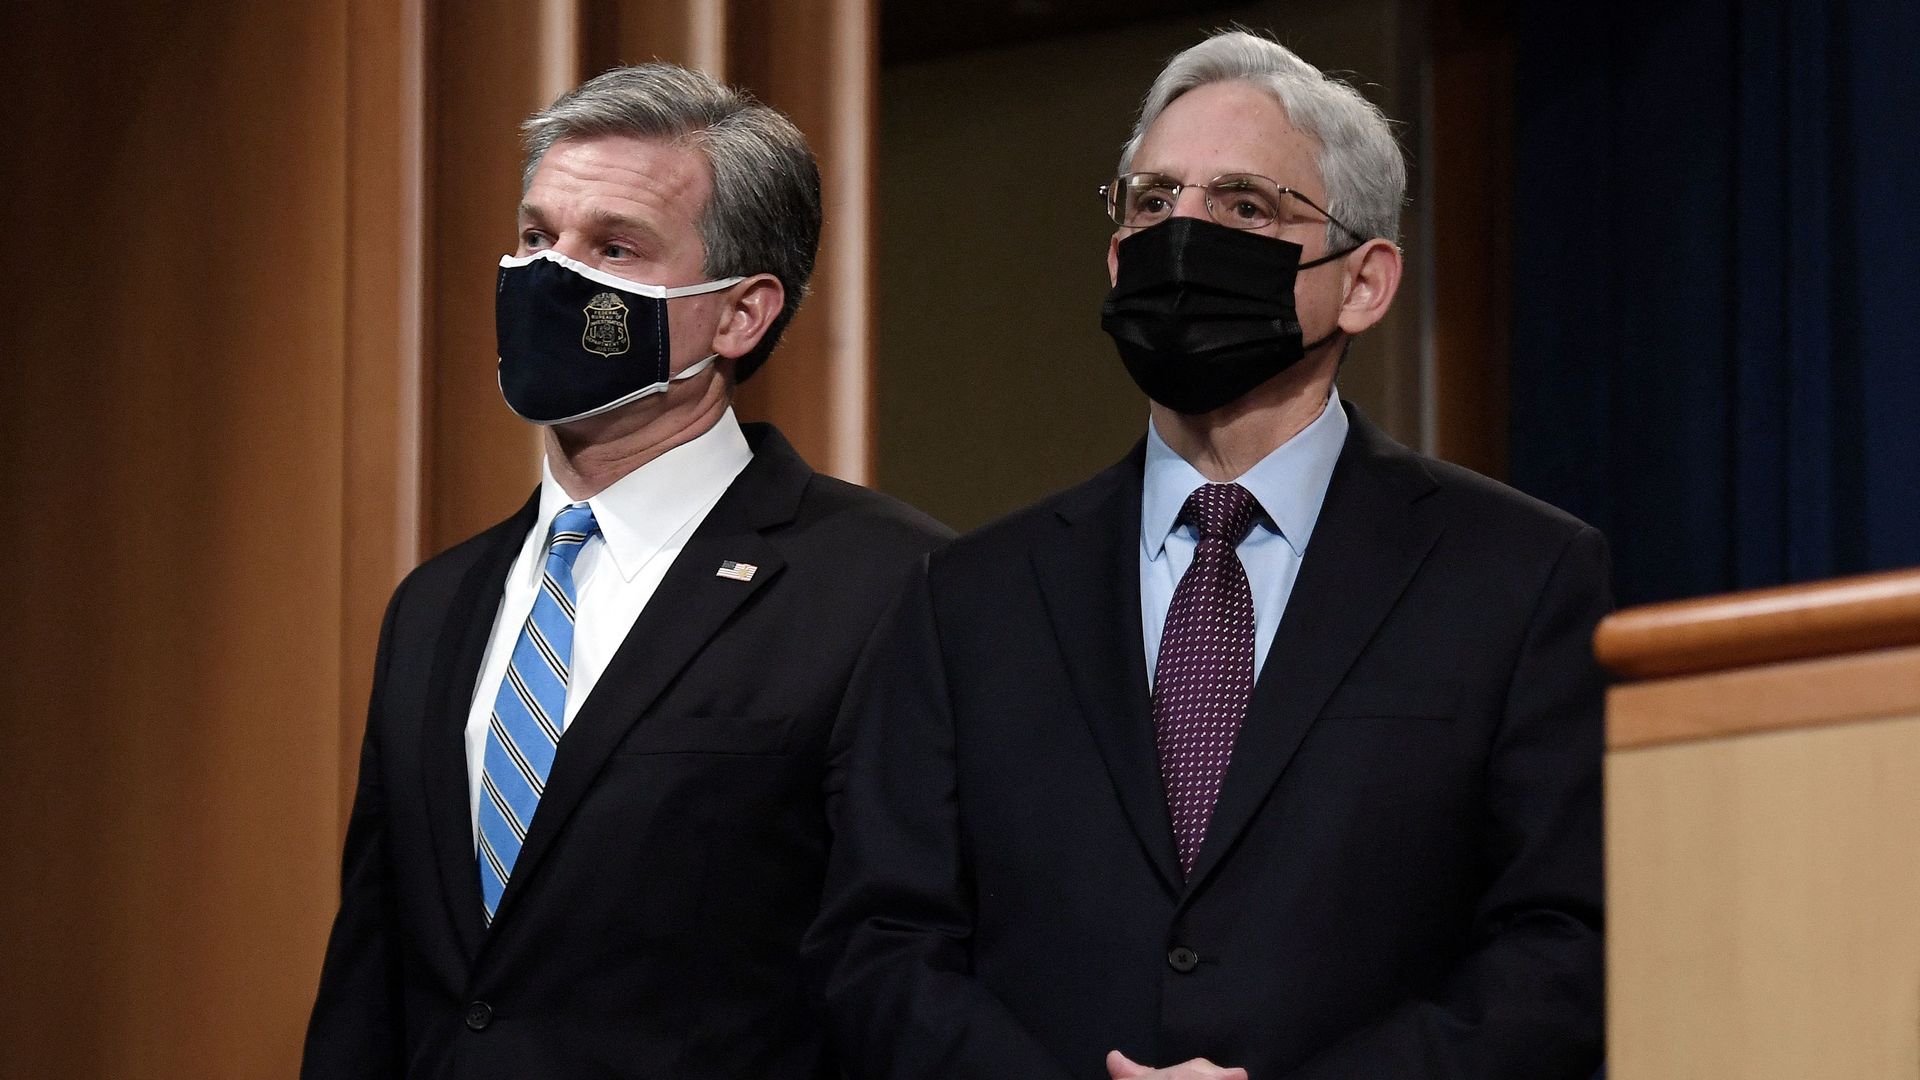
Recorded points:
529,712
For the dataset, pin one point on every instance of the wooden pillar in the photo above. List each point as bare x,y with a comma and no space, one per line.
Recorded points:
202,458
493,63
383,349
1472,184
691,33
817,61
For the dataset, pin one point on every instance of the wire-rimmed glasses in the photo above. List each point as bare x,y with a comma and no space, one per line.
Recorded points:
1236,200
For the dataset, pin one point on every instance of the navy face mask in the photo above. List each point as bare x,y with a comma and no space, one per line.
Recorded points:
1202,313
576,342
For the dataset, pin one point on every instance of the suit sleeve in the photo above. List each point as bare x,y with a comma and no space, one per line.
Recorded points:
890,952
1527,1002
356,1028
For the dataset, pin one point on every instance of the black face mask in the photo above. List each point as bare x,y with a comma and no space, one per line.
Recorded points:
1202,313
576,342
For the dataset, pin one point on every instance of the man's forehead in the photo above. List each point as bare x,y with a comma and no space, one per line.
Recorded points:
659,164
1227,128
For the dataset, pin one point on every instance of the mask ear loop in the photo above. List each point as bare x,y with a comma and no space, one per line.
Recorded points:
1330,256
1310,264
699,366
694,368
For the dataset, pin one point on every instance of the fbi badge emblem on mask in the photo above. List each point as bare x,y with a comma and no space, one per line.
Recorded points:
606,331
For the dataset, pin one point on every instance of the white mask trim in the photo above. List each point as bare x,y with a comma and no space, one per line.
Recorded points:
601,277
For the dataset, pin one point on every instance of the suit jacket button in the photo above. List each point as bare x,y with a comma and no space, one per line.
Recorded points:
479,1015
1183,959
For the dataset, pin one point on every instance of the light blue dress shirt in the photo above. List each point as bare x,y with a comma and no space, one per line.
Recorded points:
1289,483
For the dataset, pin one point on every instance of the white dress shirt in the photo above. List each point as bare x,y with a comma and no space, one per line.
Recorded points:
645,519
1290,484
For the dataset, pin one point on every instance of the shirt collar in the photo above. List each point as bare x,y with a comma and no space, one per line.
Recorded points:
642,510
1290,483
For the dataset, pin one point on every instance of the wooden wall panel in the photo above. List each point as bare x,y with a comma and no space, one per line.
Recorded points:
383,360
1471,177
1760,901
817,61
692,33
173,455
488,71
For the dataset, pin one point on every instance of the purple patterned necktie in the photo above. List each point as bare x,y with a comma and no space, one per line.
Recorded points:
1204,676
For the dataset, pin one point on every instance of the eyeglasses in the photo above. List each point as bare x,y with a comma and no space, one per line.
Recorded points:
1236,200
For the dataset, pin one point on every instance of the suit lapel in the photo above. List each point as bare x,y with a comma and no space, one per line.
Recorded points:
1089,577
456,667
690,606
1372,535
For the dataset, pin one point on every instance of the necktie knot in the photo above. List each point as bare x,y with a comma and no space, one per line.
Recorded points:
573,526
1223,511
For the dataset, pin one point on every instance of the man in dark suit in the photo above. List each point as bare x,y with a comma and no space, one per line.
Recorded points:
590,825
1272,751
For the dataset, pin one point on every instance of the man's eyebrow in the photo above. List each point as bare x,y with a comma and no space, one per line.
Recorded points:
613,222
600,219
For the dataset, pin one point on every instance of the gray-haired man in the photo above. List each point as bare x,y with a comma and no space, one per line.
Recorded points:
1274,750
589,829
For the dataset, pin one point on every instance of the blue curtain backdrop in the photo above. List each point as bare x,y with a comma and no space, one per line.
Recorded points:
1716,345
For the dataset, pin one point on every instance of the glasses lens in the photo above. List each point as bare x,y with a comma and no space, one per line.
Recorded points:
1140,199
1243,201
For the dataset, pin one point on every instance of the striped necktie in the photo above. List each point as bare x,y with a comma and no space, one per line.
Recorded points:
529,712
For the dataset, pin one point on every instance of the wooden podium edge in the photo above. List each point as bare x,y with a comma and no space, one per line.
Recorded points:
1802,694
1762,626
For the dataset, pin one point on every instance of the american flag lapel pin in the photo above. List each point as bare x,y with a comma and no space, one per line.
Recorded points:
737,571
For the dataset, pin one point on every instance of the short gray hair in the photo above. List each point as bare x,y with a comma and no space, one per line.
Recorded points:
1360,162
764,213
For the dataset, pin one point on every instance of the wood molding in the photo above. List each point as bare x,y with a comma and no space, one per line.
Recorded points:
182,440
1762,626
1470,173
1774,697
691,33
381,497
816,61
481,460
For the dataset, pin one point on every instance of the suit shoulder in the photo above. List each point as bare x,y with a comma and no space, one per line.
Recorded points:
1492,518
1007,538
870,521
1475,493
441,572
1508,521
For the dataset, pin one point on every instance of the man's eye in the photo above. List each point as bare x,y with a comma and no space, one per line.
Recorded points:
616,251
1151,204
1248,210
532,240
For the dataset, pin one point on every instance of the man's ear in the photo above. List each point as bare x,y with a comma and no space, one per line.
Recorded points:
1113,258
1373,276
747,315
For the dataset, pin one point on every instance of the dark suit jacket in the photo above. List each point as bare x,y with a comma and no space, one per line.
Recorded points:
652,922
1402,875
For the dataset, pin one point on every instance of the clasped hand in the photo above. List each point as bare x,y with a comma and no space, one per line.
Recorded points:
1122,1067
